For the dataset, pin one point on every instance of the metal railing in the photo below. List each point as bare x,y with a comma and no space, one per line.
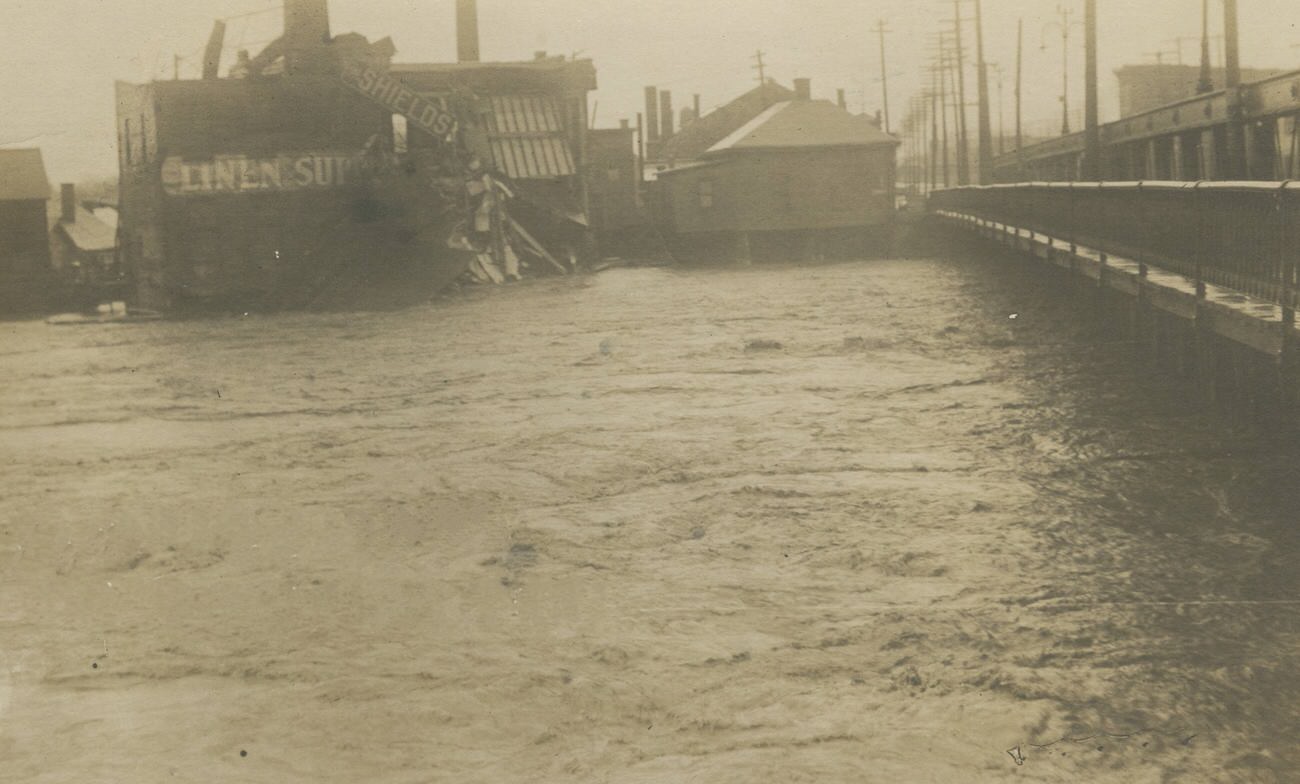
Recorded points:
1243,236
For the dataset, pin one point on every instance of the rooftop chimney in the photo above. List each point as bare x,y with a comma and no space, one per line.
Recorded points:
306,32
467,31
840,99
666,113
69,193
652,113
803,89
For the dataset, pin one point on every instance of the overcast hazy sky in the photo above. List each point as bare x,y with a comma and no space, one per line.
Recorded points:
59,58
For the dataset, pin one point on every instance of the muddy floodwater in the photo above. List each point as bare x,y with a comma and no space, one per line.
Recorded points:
911,520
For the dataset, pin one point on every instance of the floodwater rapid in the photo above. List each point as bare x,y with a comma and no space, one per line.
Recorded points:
906,520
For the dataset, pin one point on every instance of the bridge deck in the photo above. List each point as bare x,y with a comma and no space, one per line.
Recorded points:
1256,323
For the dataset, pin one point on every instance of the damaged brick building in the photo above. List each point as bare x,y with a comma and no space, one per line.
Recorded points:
317,163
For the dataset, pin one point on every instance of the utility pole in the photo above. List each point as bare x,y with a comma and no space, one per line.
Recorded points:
1231,45
956,125
963,144
762,73
1238,166
1092,133
943,120
982,77
1064,24
1206,82
941,74
1020,60
880,31
1002,115
934,131
924,138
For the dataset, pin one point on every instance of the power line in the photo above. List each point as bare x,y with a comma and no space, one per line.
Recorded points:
233,17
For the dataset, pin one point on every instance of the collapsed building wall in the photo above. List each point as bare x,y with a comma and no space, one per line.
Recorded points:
320,156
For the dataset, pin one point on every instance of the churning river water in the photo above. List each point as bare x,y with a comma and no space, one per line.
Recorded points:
910,520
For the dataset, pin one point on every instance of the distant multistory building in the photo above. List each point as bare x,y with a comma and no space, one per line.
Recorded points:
1146,87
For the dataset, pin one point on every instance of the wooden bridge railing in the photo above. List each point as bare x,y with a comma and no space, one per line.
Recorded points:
1240,235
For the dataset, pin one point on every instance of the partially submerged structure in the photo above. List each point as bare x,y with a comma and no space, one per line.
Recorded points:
696,138
317,163
803,178
24,240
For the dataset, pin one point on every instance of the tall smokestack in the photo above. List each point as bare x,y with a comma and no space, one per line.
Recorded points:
467,31
652,114
69,194
666,113
306,32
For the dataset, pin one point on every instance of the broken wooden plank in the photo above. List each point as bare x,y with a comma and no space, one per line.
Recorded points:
535,245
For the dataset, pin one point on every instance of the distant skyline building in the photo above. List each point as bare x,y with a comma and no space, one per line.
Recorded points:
1149,86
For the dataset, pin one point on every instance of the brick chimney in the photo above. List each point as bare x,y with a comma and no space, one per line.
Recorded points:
69,193
467,50
666,114
652,113
803,89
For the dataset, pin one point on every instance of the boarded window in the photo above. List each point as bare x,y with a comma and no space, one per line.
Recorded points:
706,194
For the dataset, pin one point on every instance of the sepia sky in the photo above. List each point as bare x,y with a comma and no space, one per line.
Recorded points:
61,57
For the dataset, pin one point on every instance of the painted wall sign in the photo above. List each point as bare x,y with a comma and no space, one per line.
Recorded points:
391,93
227,174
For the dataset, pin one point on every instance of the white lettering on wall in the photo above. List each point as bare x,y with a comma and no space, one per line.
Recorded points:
229,174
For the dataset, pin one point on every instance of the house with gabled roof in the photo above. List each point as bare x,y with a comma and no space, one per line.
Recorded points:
695,138
84,247
802,178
